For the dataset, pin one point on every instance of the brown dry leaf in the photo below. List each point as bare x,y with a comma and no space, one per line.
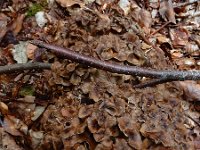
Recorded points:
193,49
142,17
3,108
103,23
17,24
75,79
176,54
130,129
3,25
75,141
162,39
136,58
115,107
85,111
191,90
69,3
19,125
179,37
157,134
10,127
197,142
167,11
30,50
108,54
7,141
185,63
36,138
145,20
121,144
73,127
145,46
69,112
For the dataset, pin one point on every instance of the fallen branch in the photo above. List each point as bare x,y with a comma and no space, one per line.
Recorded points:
26,66
121,69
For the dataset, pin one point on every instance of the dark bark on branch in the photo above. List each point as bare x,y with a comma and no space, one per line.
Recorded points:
121,69
21,67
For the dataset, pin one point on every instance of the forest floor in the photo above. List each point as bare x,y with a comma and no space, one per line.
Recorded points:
73,106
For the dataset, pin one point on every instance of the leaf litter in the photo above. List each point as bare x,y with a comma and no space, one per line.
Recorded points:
77,107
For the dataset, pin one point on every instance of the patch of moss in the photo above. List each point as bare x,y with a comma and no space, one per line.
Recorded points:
36,7
26,90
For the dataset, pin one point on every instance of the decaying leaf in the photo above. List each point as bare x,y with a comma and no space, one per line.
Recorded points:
69,3
125,6
179,37
145,20
19,52
30,52
167,11
8,141
3,108
85,111
11,127
130,129
36,137
37,112
3,25
17,24
191,90
158,135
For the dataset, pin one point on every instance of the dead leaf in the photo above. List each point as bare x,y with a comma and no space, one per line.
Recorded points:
10,127
197,143
19,52
3,25
191,90
17,24
179,37
8,142
162,39
37,112
68,112
69,3
167,11
145,20
121,144
3,108
30,51
158,135
36,137
130,129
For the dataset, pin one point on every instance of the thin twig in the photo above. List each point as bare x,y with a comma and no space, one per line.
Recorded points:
23,66
185,4
160,28
121,69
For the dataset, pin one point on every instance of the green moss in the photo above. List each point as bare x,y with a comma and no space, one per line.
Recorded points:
26,90
36,7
